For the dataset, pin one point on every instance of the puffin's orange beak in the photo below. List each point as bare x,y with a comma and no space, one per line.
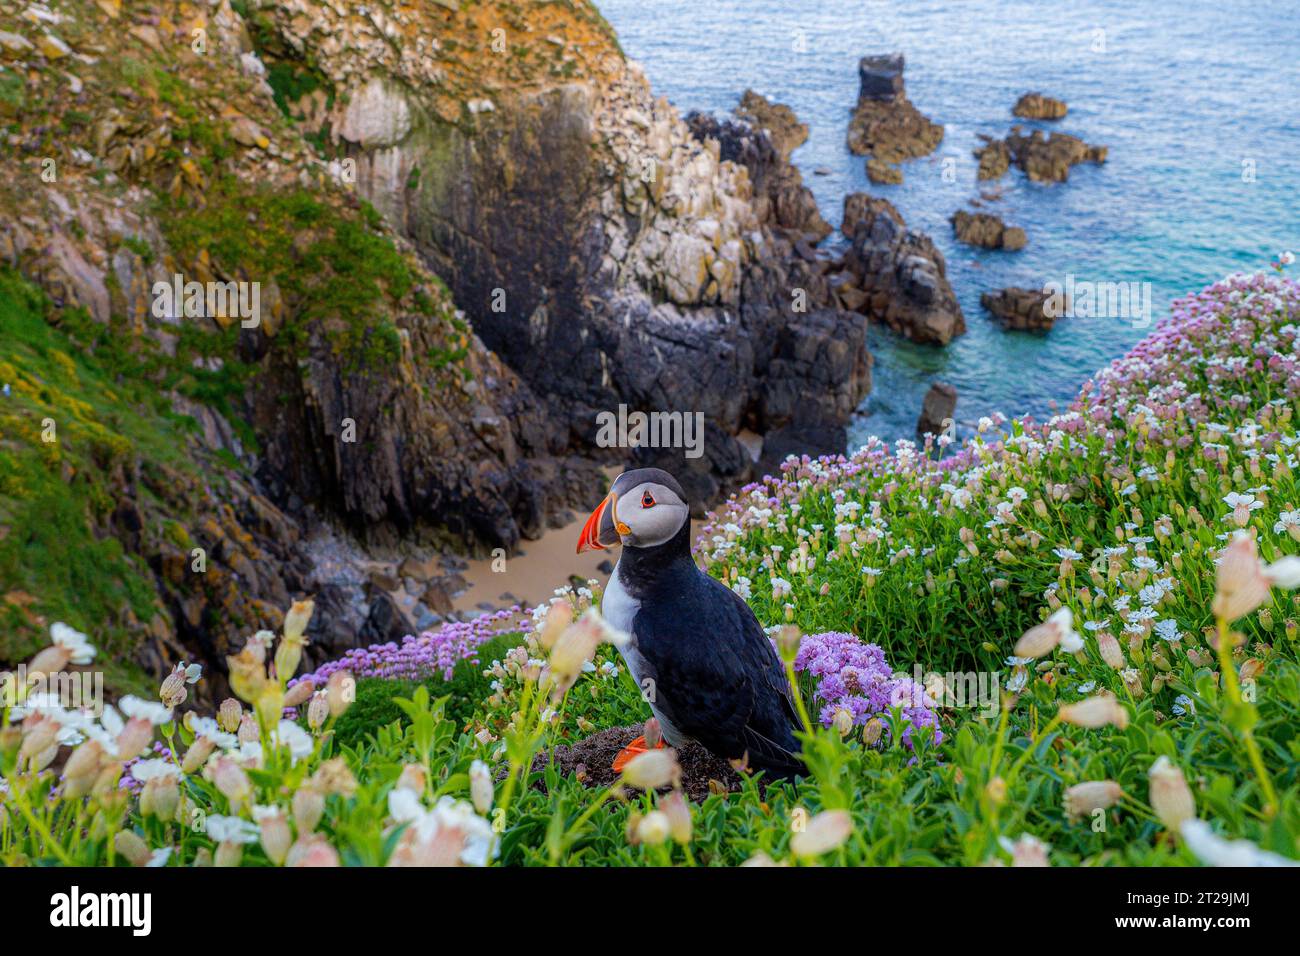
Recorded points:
602,528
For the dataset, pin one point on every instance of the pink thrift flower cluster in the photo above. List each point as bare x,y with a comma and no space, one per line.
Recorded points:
854,676
421,656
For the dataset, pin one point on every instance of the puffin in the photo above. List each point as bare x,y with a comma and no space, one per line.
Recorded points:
702,660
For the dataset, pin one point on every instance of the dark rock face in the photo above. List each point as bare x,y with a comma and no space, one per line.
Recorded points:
937,409
900,273
1049,158
986,231
780,198
885,124
1038,106
1020,309
994,157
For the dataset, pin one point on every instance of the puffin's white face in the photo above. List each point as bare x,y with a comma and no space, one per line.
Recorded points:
643,509
648,514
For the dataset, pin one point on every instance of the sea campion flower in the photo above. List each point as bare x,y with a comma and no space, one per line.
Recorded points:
1042,639
1094,712
653,769
480,786
1243,582
1026,850
69,646
1171,798
1213,850
1083,798
173,692
826,831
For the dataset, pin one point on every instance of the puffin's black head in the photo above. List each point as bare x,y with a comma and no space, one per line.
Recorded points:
645,507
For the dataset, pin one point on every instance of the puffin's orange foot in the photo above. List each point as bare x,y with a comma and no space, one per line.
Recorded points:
634,749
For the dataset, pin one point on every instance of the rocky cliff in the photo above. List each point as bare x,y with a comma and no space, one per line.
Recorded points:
609,255
468,229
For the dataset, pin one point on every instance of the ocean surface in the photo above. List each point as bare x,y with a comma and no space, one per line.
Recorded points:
1199,102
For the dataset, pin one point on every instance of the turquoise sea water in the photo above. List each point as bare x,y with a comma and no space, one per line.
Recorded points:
1189,96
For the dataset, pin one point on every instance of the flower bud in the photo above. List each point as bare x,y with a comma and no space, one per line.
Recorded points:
652,769
50,660
131,847
1110,650
230,715
308,808
299,693
248,730
871,732
173,692
198,754
318,711
275,834
160,797
653,828
134,738
1083,798
1096,711
842,721
39,734
229,853
1171,798
269,704
823,833
231,780
653,733
313,850
788,639
340,691
480,787
678,813
295,623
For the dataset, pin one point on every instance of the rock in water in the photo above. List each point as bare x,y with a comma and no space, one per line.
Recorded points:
986,231
1049,158
902,274
1025,310
937,409
1038,106
776,119
994,157
883,173
885,124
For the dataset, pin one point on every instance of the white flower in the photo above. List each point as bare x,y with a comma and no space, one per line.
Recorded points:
298,741
1286,521
155,768
1214,850
1168,630
207,727
83,652
1183,705
159,857
232,829
149,710
192,672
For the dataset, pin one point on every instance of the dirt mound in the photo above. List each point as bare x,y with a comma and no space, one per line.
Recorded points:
593,758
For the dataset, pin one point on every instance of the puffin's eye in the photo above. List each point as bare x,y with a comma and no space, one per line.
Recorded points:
647,500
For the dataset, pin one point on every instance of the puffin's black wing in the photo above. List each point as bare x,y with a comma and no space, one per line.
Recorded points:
717,677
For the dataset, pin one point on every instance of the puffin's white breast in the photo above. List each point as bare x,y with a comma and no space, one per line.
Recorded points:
619,608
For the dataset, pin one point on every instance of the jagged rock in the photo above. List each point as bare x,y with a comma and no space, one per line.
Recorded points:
1038,106
883,173
987,231
937,409
1020,309
885,124
1049,158
780,198
776,119
994,158
901,272
376,115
